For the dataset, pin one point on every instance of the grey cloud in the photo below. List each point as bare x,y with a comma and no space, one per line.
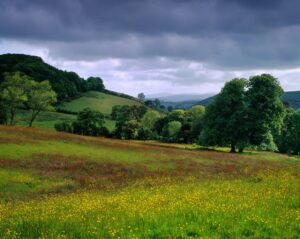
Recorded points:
159,40
225,33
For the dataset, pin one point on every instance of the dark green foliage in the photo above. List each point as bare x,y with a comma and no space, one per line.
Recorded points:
264,108
155,104
149,103
245,112
89,122
169,108
64,127
67,85
3,113
224,121
95,83
127,129
127,120
289,139
126,112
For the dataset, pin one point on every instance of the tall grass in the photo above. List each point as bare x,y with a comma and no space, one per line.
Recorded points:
55,185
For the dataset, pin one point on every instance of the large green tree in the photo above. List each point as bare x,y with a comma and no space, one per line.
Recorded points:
40,98
265,111
224,120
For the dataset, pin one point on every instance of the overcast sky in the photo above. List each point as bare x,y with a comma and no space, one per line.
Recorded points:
154,46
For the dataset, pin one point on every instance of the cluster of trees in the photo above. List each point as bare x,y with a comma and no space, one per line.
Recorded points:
20,91
67,85
133,122
246,113
88,122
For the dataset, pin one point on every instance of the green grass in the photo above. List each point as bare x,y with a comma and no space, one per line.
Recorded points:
55,185
92,99
47,120
97,101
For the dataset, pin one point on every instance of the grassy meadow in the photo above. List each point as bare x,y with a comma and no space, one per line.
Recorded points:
96,101
47,120
55,185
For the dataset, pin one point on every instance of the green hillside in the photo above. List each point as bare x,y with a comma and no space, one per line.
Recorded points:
47,120
66,84
293,98
97,101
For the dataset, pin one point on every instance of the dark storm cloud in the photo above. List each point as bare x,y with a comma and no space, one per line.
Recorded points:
227,34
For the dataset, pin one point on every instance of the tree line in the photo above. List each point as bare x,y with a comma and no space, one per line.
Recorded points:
247,113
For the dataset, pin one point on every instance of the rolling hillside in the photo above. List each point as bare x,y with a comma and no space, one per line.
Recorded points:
56,185
291,97
97,101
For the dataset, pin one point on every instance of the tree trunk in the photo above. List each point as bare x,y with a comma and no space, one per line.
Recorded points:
241,150
33,116
232,150
12,116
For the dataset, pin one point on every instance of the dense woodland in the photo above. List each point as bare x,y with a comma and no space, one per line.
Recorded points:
247,113
67,85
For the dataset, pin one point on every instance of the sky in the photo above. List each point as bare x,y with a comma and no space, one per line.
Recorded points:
159,46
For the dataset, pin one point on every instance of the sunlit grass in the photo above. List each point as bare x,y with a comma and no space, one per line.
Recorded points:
55,185
97,101
47,120
151,209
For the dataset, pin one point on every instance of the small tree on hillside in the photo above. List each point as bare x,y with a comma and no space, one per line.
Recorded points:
13,93
141,97
40,98
95,83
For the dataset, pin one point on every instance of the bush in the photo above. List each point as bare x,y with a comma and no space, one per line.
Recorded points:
64,127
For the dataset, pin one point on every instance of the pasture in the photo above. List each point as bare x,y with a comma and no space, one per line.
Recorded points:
56,185
96,101
47,120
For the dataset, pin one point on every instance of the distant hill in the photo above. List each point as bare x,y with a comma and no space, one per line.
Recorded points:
291,97
180,97
99,101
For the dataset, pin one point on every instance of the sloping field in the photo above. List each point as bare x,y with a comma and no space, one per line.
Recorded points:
55,185
96,101
47,120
